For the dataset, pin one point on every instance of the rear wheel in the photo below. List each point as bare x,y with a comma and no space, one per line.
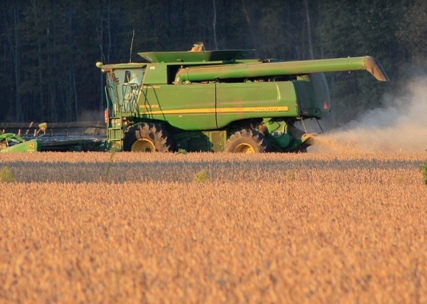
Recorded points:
247,141
147,137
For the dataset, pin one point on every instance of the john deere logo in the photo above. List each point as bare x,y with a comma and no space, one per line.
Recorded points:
31,145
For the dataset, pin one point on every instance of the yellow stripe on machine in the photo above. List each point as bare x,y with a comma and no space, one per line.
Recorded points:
218,110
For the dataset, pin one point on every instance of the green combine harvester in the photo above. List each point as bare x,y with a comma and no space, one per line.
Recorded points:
207,101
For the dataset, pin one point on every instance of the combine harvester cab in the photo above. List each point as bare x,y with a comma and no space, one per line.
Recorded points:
219,101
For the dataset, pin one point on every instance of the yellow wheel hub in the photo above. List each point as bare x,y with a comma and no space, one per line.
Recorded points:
244,148
143,145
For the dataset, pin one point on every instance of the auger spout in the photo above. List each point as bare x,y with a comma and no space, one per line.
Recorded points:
275,69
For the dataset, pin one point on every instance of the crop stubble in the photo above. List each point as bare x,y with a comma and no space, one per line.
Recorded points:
263,228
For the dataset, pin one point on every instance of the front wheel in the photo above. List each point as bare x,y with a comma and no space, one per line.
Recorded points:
247,141
147,137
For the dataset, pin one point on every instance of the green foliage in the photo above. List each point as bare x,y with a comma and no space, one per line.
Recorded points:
6,175
201,177
291,174
424,172
358,28
412,31
109,165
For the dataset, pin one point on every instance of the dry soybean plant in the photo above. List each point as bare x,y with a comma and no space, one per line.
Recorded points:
424,171
213,228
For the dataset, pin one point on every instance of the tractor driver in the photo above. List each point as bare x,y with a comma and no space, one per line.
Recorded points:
134,78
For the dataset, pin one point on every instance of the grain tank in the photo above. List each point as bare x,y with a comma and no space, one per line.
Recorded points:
218,101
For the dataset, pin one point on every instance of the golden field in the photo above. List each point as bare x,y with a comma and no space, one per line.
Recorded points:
213,228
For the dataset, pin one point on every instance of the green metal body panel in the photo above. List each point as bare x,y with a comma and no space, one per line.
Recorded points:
201,98
190,108
198,107
251,100
22,146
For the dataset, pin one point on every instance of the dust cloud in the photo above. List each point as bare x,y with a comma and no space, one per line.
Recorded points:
91,116
399,126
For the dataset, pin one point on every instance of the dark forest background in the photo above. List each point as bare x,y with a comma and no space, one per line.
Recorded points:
49,48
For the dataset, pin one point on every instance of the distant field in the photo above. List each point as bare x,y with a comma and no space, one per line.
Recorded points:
213,228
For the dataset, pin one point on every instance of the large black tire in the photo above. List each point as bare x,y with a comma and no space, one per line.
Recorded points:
247,141
147,137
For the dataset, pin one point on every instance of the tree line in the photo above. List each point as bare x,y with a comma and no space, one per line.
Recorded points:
49,48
